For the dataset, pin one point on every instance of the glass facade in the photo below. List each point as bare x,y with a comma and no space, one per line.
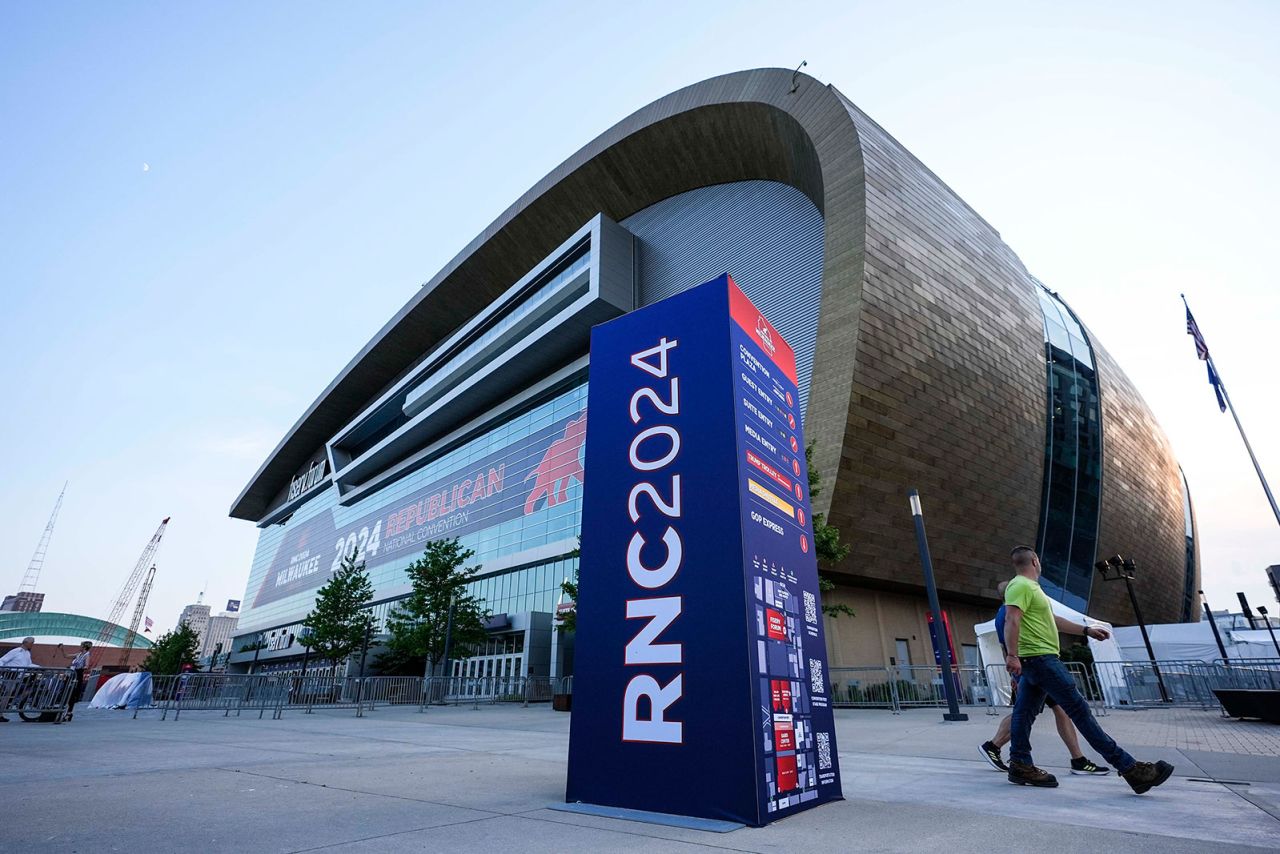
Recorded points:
511,514
530,588
1190,591
768,235
1068,537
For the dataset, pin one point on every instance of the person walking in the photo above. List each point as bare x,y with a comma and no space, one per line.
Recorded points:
991,750
19,656
79,663
1031,632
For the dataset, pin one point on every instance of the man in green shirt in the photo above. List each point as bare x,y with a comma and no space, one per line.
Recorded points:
1031,635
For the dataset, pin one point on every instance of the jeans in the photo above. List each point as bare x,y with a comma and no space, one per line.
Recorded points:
1044,675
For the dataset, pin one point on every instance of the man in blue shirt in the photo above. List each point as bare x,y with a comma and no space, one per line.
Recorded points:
1080,764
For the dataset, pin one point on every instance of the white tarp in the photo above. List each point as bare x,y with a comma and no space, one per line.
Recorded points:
991,654
1193,642
124,691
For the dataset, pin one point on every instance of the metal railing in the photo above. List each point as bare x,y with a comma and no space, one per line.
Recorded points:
36,691
899,687
280,692
225,692
1000,686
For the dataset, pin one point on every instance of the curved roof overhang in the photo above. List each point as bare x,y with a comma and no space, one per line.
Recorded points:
15,625
766,124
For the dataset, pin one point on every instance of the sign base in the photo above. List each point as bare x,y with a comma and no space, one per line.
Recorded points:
666,819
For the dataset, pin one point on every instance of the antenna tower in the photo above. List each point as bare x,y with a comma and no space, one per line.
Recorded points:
127,593
32,577
137,614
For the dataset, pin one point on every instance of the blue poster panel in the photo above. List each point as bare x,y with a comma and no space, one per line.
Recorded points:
700,662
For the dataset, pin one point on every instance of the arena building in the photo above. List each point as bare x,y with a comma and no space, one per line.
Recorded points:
928,357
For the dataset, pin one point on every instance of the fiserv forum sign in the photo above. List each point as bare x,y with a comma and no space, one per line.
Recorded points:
700,660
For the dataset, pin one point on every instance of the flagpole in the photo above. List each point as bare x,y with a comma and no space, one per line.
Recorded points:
1265,487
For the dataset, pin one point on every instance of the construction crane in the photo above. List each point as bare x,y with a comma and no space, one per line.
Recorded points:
137,615
127,593
32,578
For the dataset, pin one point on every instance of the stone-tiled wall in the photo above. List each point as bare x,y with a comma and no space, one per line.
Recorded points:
949,396
1141,505
948,390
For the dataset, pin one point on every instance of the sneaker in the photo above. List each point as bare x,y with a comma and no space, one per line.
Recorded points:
1030,775
991,753
1085,765
1144,776
3,719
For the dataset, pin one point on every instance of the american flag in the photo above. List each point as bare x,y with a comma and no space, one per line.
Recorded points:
148,624
1202,349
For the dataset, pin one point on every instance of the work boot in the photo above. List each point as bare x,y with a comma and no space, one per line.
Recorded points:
991,753
1144,776
1029,775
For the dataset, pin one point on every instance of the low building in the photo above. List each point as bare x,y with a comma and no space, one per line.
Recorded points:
50,628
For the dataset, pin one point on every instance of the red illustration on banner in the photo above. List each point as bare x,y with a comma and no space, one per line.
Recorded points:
561,464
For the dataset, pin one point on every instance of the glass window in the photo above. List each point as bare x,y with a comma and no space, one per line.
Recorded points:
1071,490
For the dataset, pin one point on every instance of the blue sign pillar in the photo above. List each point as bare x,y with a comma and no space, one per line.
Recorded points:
700,664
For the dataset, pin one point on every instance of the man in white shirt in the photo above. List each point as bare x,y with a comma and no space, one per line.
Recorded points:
19,656
16,657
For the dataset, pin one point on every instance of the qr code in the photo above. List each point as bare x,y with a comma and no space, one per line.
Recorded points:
824,751
817,683
810,608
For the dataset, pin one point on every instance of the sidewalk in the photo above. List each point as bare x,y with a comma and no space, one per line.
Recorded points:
464,779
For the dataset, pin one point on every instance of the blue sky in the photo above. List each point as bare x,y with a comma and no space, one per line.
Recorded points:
310,164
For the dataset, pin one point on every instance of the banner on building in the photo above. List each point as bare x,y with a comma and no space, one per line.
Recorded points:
700,658
233,605
533,472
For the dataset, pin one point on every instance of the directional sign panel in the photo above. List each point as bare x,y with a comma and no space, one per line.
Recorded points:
700,665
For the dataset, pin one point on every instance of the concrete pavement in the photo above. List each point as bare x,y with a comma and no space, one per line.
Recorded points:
459,778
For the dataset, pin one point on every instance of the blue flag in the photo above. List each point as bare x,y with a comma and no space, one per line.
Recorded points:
1217,386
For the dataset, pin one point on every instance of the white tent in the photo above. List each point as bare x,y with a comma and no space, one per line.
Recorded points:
124,691
1193,642
993,657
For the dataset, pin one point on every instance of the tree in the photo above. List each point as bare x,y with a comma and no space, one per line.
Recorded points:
567,620
339,621
826,541
418,624
172,650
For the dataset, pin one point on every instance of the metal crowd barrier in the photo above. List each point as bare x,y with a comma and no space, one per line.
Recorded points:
491,690
225,692
899,687
35,691
1000,686
1136,684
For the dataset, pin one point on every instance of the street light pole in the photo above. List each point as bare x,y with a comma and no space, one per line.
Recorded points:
257,649
448,637
948,675
1124,568
1213,624
1262,609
